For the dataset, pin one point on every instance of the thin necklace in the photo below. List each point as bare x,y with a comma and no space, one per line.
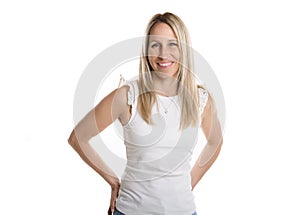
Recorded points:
166,109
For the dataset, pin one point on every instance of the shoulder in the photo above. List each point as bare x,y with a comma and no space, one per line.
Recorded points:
115,100
120,95
130,91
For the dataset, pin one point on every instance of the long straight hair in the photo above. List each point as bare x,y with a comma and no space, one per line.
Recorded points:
187,87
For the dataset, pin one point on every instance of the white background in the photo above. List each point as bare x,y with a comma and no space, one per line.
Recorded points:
253,47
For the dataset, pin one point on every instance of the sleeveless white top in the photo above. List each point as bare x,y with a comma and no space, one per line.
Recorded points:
156,180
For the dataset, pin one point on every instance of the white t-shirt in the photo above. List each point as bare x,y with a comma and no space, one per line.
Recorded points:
156,180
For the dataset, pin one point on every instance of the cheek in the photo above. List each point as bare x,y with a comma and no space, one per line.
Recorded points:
151,61
176,54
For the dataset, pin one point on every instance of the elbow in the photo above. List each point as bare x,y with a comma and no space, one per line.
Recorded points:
215,141
220,142
73,140
77,142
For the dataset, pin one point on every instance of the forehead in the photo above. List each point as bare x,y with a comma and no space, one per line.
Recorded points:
162,30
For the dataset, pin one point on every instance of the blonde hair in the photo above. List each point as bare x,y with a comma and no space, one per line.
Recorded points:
187,88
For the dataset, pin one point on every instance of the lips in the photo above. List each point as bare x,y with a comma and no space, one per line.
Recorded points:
165,65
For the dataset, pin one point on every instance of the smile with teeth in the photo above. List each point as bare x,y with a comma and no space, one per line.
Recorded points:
165,64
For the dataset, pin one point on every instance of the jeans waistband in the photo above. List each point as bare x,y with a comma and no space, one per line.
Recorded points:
120,213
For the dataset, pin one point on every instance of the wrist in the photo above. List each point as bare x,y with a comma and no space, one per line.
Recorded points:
115,184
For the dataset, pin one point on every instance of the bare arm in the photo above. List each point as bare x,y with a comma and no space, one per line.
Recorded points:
213,133
112,107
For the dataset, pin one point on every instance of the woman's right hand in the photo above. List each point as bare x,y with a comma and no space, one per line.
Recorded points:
114,194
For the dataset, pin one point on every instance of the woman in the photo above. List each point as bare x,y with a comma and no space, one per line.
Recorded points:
160,113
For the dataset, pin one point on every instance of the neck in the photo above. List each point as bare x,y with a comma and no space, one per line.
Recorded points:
165,85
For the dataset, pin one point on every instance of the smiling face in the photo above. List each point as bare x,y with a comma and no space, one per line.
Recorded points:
163,50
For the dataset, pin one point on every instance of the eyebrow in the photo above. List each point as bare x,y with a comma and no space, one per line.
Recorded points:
171,40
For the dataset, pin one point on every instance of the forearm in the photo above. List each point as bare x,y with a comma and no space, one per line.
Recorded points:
91,157
207,157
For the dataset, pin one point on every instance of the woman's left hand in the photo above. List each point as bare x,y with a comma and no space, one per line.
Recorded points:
114,194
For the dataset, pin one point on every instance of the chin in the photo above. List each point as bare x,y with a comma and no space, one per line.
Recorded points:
166,74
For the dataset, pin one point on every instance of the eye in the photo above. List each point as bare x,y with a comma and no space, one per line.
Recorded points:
173,44
154,45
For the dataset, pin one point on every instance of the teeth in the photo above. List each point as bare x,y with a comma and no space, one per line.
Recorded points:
165,64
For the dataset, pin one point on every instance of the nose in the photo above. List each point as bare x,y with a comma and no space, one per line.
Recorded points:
163,52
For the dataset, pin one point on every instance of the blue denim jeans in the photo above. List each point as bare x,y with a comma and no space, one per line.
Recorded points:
119,213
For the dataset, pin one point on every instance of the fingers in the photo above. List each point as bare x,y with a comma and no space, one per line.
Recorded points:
112,204
112,208
113,198
109,211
